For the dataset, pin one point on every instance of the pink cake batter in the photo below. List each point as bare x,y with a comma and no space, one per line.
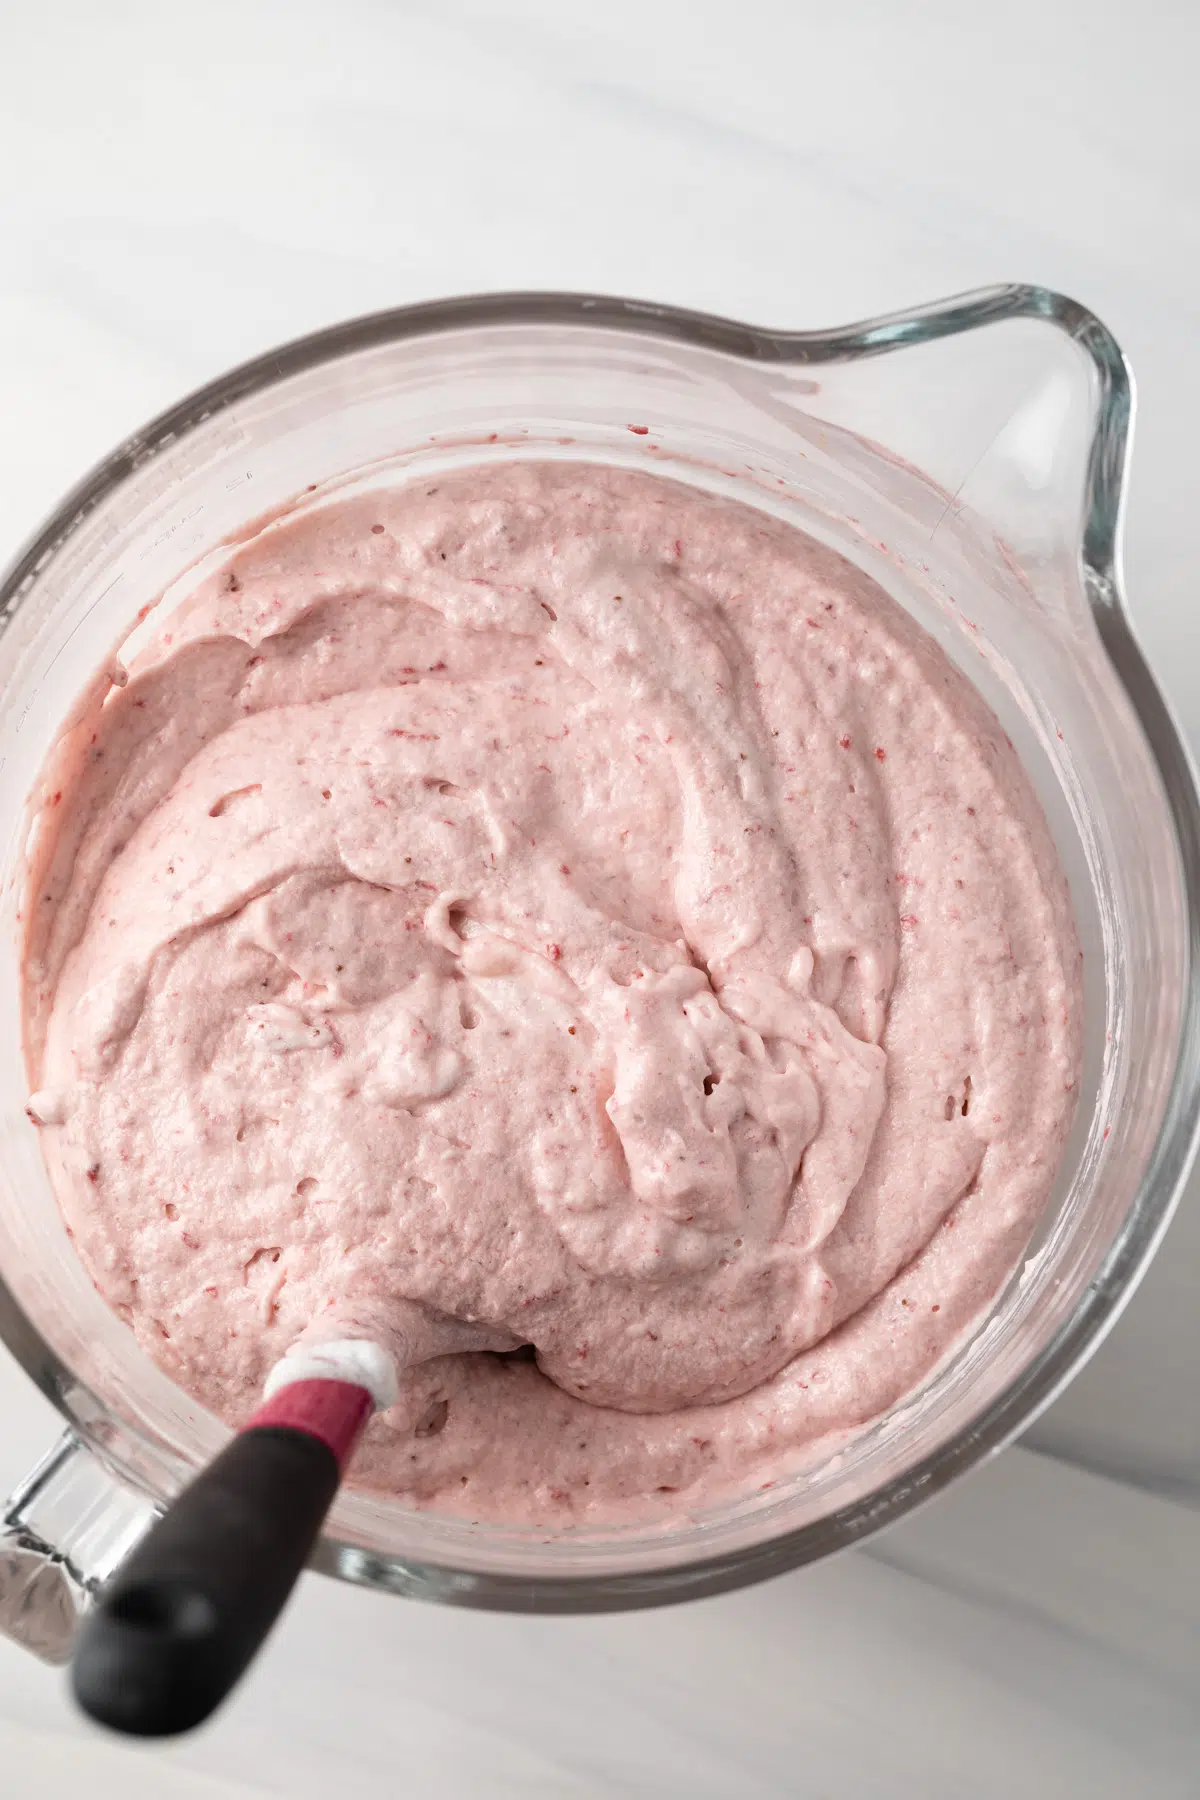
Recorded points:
547,905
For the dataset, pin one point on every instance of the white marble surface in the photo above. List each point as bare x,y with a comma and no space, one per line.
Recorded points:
183,185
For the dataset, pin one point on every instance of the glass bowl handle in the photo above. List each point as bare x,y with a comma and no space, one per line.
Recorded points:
62,1533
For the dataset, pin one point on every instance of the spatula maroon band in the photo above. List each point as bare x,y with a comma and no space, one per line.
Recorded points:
335,1412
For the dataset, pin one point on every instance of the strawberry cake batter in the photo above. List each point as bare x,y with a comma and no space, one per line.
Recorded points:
578,931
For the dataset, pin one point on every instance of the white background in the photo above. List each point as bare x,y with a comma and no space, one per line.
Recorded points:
182,186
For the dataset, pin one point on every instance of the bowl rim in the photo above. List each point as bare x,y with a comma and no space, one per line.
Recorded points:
1101,570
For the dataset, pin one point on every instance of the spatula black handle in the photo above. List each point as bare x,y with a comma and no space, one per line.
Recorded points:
184,1616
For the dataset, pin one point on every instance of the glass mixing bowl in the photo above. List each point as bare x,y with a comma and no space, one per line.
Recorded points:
971,456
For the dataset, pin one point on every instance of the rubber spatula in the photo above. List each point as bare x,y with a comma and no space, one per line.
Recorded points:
185,1614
